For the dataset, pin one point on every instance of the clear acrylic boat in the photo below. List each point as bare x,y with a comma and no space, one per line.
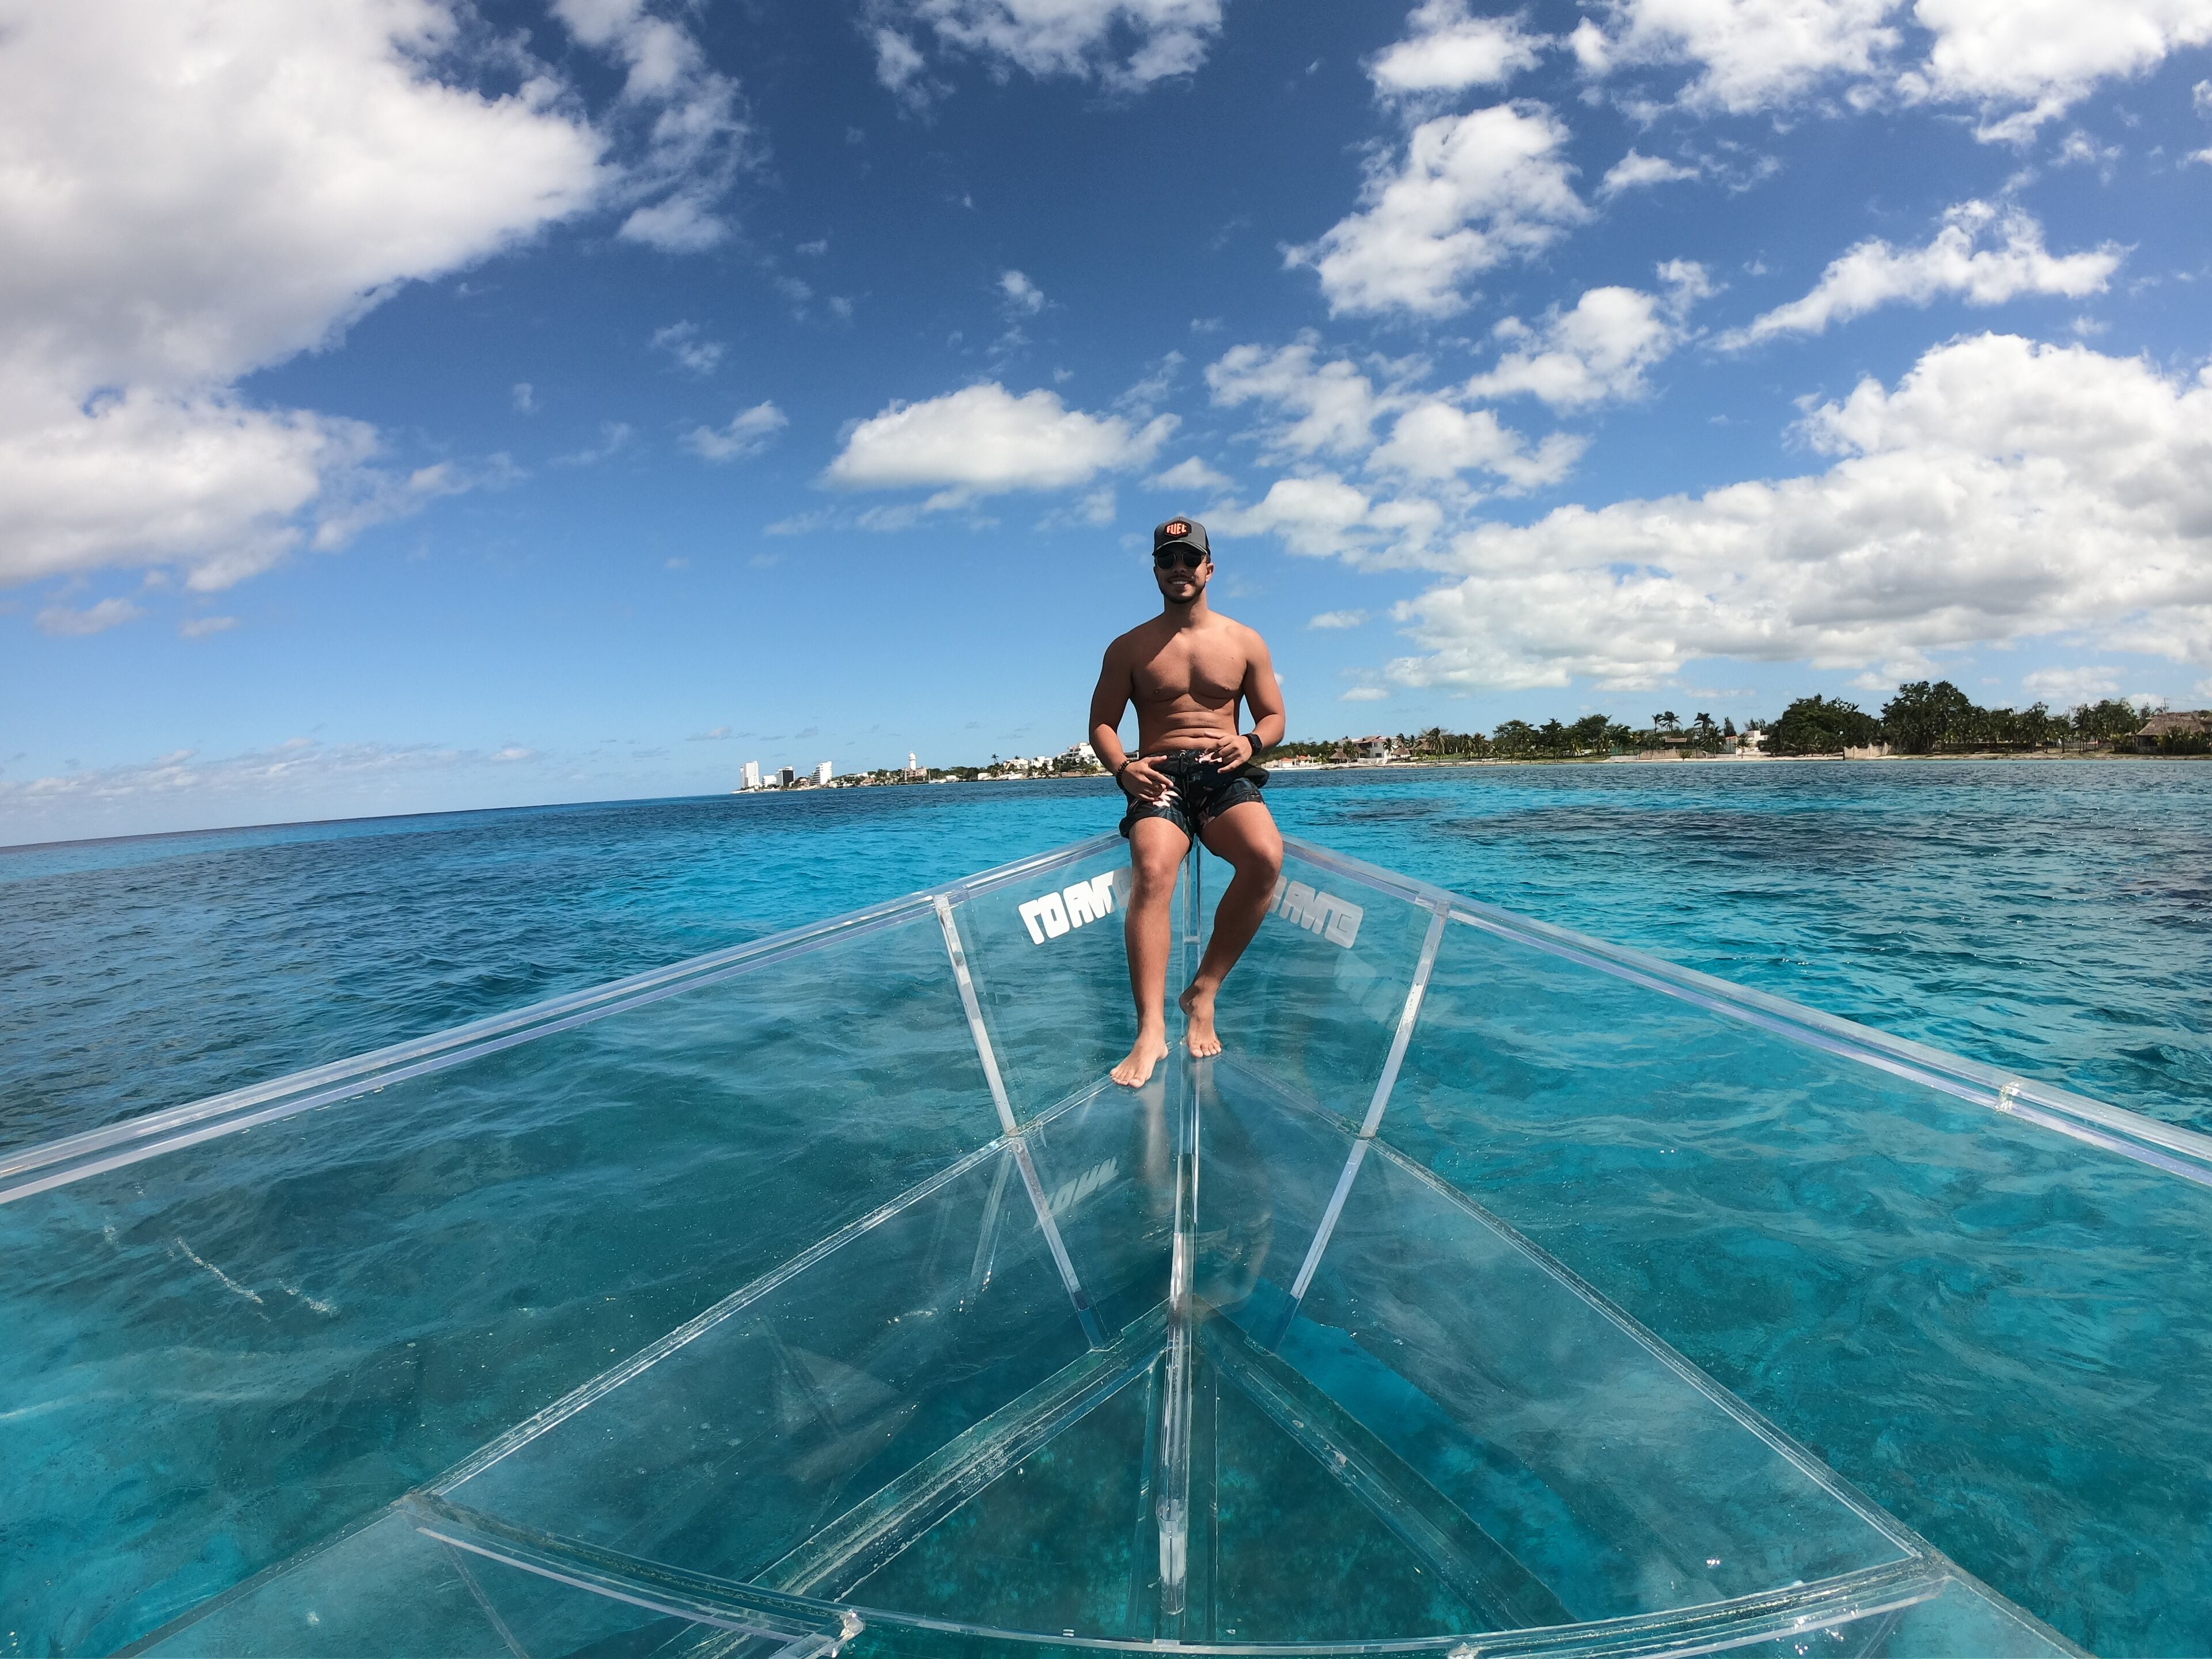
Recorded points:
1499,1292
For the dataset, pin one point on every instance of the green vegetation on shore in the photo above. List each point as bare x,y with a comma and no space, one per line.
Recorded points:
1922,718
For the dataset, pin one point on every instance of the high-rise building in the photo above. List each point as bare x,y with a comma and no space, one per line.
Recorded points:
752,774
822,773
785,777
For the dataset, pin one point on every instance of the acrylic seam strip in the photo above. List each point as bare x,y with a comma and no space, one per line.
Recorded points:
1093,1333
1385,1086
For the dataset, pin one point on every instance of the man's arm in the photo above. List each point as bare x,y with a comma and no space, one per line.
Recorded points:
1108,702
1265,699
1262,696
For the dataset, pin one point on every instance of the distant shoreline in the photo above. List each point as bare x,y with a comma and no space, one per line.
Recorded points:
1732,760
1443,763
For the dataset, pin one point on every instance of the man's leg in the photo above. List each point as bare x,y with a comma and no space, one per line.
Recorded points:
1156,851
1247,837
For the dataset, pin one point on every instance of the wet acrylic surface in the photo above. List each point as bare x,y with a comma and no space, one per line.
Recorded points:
218,1357
1447,1437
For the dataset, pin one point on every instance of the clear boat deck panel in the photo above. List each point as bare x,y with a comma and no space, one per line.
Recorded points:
824,1296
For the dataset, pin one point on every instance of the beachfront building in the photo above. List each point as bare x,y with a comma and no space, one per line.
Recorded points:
2181,730
785,777
913,769
752,779
822,773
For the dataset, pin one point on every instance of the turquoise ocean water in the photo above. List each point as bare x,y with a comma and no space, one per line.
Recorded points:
2049,917
2053,917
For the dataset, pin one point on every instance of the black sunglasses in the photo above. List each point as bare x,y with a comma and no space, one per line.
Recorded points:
1169,558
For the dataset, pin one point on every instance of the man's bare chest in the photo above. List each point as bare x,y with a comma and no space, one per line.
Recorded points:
1208,671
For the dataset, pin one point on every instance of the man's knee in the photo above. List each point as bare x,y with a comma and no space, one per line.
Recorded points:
1154,870
1257,856
1265,856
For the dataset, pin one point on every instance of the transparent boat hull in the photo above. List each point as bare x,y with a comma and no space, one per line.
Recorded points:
824,1295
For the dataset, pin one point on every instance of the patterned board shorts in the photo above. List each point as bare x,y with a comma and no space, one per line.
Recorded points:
1200,792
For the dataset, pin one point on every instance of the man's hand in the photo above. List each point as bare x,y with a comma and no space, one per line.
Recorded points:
1231,753
1140,781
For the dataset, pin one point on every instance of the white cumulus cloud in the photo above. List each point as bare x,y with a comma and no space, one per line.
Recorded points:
1598,350
1470,191
2003,490
1636,171
1448,49
169,232
1125,43
1746,54
984,441
1338,619
1875,274
1193,474
688,345
1436,440
1022,294
747,433
691,136
1321,515
1316,516
1308,407
2017,63
1322,407
2025,61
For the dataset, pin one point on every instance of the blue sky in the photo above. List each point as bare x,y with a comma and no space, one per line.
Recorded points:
408,406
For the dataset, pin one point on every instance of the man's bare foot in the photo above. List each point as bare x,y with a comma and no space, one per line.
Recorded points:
1151,1048
1197,1004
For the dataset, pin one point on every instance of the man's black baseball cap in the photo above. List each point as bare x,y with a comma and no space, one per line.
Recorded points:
1187,532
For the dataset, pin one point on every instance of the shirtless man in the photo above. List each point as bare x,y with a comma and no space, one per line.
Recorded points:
1192,775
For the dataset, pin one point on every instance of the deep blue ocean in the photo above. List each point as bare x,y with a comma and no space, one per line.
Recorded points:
2055,917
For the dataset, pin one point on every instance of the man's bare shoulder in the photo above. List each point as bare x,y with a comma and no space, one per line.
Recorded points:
1140,641
1243,633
